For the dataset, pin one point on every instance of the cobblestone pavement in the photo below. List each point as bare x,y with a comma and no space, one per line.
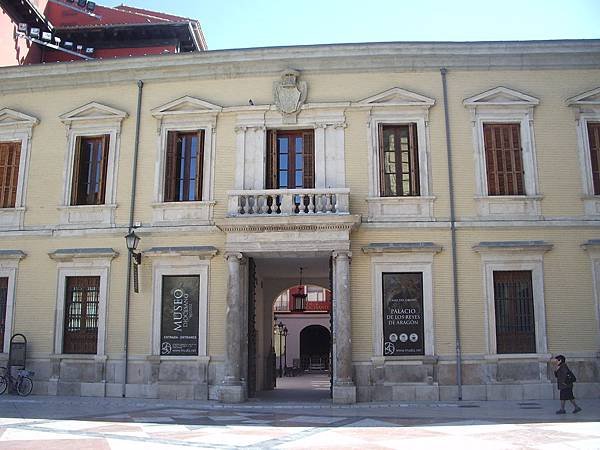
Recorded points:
75,423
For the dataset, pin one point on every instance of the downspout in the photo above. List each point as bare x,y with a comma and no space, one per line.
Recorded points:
443,72
140,85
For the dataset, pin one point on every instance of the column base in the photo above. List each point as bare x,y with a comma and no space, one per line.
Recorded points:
344,394
232,394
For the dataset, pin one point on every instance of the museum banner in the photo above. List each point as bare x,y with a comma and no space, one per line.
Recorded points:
403,328
179,319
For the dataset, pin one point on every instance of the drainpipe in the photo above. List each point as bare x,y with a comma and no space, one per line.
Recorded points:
443,72
140,85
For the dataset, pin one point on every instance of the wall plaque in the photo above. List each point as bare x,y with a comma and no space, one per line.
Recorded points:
179,321
403,327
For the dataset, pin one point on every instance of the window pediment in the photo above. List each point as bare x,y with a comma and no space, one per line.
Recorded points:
185,105
12,118
501,96
588,98
397,97
93,111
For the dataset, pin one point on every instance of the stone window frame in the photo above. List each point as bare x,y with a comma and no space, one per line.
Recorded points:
185,114
328,121
586,108
84,262
514,256
9,266
398,106
592,247
402,258
181,261
16,126
504,105
92,119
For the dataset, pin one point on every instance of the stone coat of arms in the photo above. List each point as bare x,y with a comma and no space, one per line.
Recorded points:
289,94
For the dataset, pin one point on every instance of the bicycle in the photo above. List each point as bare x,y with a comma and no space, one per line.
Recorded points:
21,383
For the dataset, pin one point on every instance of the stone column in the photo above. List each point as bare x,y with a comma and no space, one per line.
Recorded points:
232,388
344,390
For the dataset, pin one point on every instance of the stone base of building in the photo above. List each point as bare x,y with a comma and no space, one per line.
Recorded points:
232,393
344,394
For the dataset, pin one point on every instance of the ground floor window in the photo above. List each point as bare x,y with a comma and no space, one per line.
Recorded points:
403,325
81,315
515,320
3,305
179,315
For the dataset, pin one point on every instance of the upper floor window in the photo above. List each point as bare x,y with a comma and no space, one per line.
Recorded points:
10,156
399,160
184,166
16,131
594,136
504,164
290,159
586,108
89,170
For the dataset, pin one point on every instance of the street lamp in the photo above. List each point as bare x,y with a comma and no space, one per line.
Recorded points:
132,240
299,297
282,331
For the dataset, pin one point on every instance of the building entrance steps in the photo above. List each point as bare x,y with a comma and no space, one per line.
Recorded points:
305,388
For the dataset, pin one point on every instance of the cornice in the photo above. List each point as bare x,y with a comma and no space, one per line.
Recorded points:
284,224
334,58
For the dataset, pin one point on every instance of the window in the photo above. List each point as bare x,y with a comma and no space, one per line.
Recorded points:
3,305
514,293
184,166
504,163
399,160
89,170
81,315
16,131
506,174
89,197
291,160
594,136
400,185
10,156
515,323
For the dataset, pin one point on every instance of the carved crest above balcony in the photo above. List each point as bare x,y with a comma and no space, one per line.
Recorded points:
289,94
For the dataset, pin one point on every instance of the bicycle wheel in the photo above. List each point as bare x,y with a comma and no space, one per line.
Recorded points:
3,384
24,386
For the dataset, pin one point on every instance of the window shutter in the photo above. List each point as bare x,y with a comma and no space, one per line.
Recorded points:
10,156
76,172
415,185
200,169
271,172
309,160
102,182
504,160
170,167
382,190
594,137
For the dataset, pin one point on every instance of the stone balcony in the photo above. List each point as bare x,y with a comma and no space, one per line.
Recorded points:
288,202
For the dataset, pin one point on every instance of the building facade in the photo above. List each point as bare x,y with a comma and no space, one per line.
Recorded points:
447,193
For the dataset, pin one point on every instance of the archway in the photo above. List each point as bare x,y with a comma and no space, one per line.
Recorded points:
315,341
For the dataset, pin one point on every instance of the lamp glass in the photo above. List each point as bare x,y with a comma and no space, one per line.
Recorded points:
132,240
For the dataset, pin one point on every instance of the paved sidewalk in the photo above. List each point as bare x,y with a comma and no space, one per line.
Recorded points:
65,423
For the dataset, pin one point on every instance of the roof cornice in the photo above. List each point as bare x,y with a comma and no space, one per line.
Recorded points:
333,58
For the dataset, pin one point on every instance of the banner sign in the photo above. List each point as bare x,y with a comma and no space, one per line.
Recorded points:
403,328
179,319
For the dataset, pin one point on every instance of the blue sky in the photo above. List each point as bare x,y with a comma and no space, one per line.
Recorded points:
264,23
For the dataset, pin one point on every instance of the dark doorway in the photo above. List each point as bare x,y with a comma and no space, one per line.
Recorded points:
314,348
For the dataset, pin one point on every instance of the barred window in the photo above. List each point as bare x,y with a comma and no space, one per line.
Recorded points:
3,304
515,320
81,315
594,135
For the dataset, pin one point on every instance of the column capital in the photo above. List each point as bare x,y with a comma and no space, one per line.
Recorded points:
342,254
233,255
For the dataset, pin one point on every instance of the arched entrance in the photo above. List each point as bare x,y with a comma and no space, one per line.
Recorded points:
315,342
